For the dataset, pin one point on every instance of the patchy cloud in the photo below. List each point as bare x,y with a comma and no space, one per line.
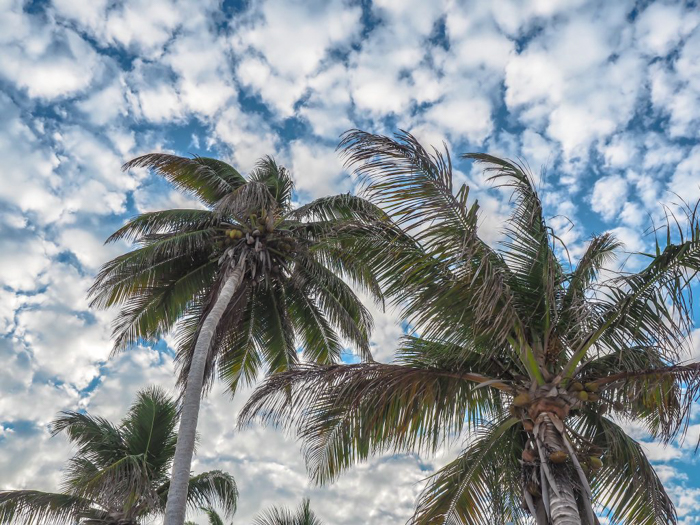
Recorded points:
605,95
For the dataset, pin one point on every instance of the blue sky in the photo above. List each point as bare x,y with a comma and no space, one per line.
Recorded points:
606,95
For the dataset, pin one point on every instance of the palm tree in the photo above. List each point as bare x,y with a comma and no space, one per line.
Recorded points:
212,517
303,515
240,282
534,362
119,475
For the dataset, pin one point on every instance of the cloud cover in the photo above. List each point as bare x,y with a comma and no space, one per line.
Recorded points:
605,94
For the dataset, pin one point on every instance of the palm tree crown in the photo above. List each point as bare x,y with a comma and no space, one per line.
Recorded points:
537,361
242,280
119,474
289,291
302,515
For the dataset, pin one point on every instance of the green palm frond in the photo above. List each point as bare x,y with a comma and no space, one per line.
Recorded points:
344,413
164,221
650,308
342,207
336,299
149,429
32,507
213,489
415,188
209,179
627,486
303,515
119,472
482,486
277,178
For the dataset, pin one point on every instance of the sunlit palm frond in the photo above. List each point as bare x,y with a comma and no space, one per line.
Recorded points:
535,274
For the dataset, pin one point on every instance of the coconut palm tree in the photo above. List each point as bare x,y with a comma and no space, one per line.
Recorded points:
212,517
303,515
119,474
240,282
533,362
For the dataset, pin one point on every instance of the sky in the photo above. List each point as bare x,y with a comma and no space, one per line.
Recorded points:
604,95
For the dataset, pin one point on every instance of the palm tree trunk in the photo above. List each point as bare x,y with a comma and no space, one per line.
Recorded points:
563,508
177,494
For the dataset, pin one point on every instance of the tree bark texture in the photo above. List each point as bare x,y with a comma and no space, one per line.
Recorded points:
562,506
176,504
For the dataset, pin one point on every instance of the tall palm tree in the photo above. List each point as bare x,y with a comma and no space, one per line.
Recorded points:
119,474
303,515
240,282
534,362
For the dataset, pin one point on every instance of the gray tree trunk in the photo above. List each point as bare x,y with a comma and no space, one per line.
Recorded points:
563,507
179,480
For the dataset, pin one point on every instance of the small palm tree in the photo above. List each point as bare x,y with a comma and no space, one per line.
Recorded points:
119,475
534,361
241,281
303,515
212,517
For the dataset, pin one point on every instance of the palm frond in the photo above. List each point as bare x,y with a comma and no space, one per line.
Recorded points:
213,489
344,207
482,486
206,178
277,178
164,221
303,515
333,297
33,507
535,271
627,486
344,413
653,307
415,188
149,429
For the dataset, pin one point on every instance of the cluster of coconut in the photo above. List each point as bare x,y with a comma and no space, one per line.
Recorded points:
257,230
587,392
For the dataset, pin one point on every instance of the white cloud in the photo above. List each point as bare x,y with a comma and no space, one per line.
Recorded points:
686,178
661,26
317,170
43,58
609,195
283,43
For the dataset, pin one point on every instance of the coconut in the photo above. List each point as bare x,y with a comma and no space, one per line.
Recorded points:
591,387
593,397
596,451
583,395
528,455
576,387
534,489
603,408
595,462
522,400
618,406
558,456
513,410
